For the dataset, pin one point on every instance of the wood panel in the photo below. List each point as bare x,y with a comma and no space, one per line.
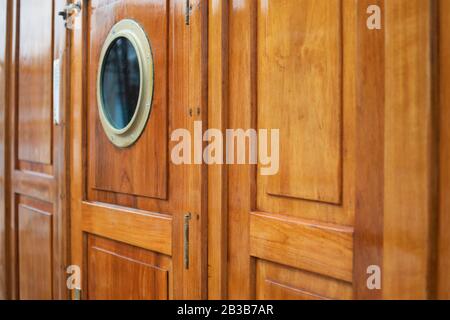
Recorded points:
298,133
120,272
410,159
444,175
35,65
177,109
327,250
34,185
129,171
35,249
309,115
150,231
4,28
277,282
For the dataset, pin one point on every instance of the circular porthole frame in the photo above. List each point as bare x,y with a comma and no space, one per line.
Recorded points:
134,33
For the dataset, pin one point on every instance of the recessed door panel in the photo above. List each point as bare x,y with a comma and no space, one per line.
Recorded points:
35,65
307,76
140,169
277,282
122,272
300,91
35,249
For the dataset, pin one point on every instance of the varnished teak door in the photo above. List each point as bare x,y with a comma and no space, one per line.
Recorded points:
290,234
130,205
354,195
340,203
36,223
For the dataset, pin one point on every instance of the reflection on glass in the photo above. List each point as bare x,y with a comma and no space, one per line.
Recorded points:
120,83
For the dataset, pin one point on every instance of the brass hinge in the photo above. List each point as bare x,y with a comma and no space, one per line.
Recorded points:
70,12
187,13
187,219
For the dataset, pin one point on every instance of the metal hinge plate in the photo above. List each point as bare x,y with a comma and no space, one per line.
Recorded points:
70,12
187,220
188,11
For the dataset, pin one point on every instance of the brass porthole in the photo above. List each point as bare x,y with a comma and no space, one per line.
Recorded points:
125,83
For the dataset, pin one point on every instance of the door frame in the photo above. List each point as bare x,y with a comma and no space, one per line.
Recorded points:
443,277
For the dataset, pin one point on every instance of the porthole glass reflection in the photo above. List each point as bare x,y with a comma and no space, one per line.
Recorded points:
120,83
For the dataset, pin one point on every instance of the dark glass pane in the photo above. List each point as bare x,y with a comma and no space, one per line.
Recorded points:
120,83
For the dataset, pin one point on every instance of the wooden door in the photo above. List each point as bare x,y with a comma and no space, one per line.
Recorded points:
131,207
354,196
36,224
290,234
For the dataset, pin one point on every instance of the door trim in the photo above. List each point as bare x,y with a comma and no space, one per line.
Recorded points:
443,280
5,9
218,174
